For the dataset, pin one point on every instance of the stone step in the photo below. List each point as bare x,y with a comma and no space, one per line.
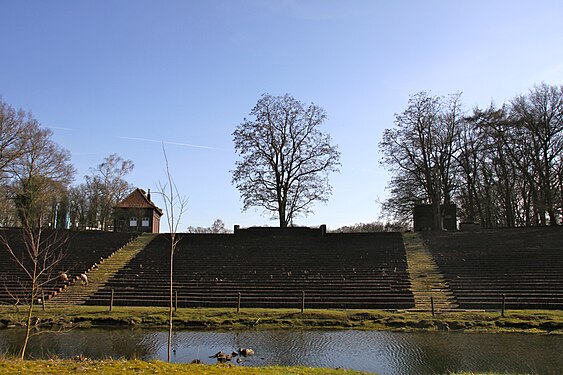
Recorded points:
100,274
427,282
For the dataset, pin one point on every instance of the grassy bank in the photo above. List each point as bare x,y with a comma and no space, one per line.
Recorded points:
533,321
109,367
153,367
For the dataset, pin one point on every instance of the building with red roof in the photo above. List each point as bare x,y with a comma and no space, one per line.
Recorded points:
137,213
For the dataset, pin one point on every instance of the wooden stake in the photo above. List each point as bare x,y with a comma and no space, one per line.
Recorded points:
503,305
111,301
302,301
176,302
432,305
238,302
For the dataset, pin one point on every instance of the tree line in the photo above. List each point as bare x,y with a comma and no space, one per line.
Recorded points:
502,165
36,175
285,160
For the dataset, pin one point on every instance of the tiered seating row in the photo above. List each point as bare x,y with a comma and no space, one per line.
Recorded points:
334,271
525,265
79,251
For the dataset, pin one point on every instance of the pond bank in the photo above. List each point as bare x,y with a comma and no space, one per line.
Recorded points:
87,366
533,321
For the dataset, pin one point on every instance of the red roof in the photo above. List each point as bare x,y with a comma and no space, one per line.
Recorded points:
138,199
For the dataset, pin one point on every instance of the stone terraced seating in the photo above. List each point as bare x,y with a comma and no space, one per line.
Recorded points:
80,251
525,265
270,269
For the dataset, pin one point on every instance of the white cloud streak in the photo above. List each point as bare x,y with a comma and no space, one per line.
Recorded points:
60,128
168,143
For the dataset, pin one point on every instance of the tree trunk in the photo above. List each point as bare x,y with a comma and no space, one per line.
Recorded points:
552,216
27,329
561,187
29,316
438,223
171,304
281,213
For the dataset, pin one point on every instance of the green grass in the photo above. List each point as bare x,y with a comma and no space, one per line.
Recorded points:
119,367
533,321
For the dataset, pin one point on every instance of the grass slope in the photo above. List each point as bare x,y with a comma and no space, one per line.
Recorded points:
95,316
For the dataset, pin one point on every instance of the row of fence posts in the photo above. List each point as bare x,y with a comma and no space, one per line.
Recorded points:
239,297
503,306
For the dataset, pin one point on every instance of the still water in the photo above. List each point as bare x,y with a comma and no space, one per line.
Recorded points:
373,351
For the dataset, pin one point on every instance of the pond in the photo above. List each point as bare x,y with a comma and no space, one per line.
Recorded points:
373,351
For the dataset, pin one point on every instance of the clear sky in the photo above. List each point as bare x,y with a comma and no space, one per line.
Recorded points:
122,76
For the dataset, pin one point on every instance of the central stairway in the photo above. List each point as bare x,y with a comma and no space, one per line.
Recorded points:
426,279
77,294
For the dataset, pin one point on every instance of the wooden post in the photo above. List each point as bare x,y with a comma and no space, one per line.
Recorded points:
111,301
43,298
176,302
302,301
238,302
503,305
432,305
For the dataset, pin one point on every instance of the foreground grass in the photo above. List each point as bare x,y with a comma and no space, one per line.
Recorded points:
532,321
120,367
86,366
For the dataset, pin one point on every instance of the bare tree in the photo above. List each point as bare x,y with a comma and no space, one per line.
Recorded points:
217,227
518,159
39,175
540,119
175,205
12,124
105,187
37,260
420,151
8,212
79,206
501,164
286,159
488,176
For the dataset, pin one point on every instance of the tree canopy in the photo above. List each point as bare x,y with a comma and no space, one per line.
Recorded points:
285,158
35,178
92,202
502,165
34,170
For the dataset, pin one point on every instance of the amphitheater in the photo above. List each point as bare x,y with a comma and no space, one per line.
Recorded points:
305,268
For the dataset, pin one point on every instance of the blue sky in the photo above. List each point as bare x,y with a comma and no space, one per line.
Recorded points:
122,76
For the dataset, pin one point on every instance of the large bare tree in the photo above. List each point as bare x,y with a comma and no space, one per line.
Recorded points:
420,151
285,158
12,124
516,162
501,165
106,186
539,118
39,175
91,202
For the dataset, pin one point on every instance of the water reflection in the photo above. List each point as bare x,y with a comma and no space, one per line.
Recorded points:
381,352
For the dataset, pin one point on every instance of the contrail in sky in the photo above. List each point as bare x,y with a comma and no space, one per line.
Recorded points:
168,143
60,128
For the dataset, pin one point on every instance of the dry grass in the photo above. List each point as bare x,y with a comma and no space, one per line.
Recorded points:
119,367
